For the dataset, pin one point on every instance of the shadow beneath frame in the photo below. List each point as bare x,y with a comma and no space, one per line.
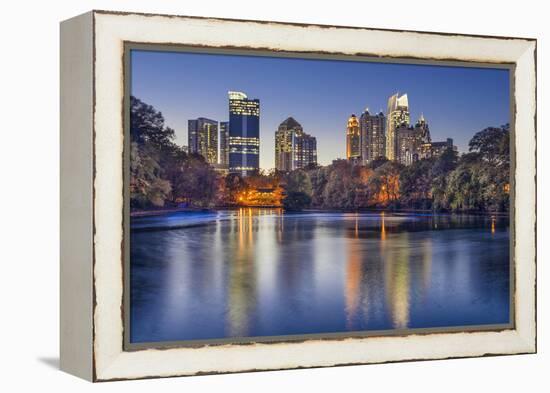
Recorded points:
52,362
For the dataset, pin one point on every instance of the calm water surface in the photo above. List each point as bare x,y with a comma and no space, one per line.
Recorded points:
258,272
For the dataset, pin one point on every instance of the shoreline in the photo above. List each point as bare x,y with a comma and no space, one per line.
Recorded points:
160,212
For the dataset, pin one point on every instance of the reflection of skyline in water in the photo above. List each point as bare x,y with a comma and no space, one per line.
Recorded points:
259,272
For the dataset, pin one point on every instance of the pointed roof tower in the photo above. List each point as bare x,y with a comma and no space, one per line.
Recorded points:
290,123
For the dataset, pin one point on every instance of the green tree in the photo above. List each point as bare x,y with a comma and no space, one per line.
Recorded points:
443,165
197,183
493,144
150,141
299,181
339,192
296,201
147,124
147,188
480,182
160,170
319,180
463,189
415,185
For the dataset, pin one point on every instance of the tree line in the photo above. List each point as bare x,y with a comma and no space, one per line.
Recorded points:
162,173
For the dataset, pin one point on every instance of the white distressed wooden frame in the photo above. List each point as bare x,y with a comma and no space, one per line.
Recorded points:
92,194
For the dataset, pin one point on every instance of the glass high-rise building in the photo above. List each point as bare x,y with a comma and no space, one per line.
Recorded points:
407,144
244,134
294,149
353,139
224,144
307,151
397,116
373,136
423,130
202,135
414,143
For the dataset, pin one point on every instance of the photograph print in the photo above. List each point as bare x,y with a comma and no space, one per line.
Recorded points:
279,196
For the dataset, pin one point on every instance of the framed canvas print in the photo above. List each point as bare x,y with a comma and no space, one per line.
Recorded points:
248,195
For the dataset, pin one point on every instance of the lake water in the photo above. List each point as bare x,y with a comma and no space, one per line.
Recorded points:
259,272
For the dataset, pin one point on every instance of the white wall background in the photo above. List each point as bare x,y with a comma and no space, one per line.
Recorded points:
29,183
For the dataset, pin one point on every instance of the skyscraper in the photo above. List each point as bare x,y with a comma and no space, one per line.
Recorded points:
202,135
407,144
423,130
224,143
373,136
307,151
353,139
398,114
414,143
294,148
427,148
244,134
285,144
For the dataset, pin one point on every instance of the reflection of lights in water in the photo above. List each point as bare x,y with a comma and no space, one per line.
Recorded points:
397,285
401,299
241,288
250,225
493,225
383,229
426,264
238,289
353,280
281,229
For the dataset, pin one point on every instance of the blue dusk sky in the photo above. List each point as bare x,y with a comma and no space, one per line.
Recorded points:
457,102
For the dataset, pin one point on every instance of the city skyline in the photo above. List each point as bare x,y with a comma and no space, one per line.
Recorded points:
480,97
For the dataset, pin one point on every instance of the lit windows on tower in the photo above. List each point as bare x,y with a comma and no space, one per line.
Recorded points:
224,144
397,115
353,139
294,149
202,135
373,136
244,134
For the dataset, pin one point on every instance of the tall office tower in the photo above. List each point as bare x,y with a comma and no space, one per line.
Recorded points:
407,144
202,135
224,143
414,143
284,144
373,136
353,140
294,148
244,134
423,130
306,152
397,115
